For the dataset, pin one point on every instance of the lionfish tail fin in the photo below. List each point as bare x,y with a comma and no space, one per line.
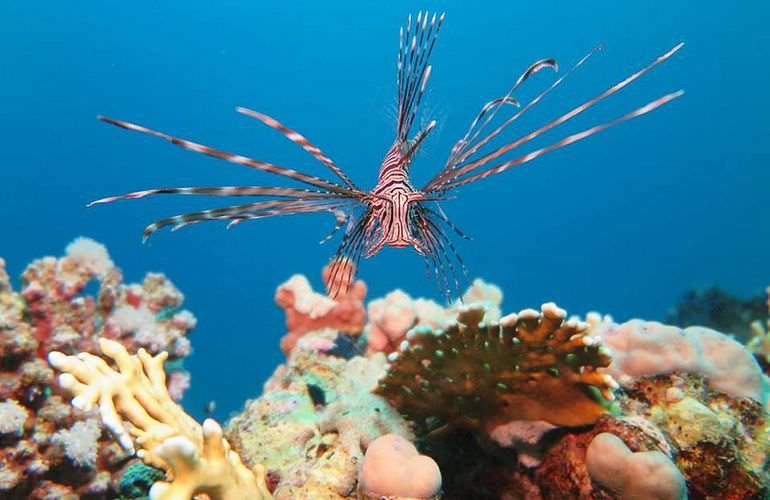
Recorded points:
416,43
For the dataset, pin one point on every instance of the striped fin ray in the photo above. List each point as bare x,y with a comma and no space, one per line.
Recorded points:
415,48
233,158
490,109
241,212
302,141
566,141
456,158
451,180
348,255
222,191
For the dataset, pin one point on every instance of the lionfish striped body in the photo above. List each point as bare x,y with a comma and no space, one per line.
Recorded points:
393,213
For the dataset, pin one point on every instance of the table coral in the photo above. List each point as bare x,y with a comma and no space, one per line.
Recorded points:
307,310
530,366
53,450
196,459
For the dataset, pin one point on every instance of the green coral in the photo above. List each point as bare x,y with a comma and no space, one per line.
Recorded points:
136,481
530,366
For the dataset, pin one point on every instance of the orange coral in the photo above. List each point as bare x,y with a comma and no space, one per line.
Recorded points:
307,310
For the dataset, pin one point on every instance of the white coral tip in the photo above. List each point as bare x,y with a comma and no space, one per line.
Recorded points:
528,314
211,427
551,310
393,357
509,320
57,359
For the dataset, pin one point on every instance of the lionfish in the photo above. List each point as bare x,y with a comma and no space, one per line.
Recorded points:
394,213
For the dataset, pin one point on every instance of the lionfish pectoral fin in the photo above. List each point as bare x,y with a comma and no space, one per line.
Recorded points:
456,176
301,141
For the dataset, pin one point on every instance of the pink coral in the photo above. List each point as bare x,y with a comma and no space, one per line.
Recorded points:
307,310
393,468
644,348
48,449
392,316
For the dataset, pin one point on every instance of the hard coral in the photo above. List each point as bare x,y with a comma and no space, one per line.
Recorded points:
647,474
314,419
530,366
307,310
759,343
392,316
720,442
197,459
394,469
715,308
53,450
647,348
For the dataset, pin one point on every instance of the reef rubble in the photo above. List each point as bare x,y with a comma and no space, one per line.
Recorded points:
396,398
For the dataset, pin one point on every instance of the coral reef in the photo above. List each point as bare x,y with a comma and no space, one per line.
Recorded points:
196,459
307,310
759,343
314,420
529,366
47,448
401,398
646,348
715,308
390,317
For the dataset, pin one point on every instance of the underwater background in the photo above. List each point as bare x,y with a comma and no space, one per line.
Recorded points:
623,223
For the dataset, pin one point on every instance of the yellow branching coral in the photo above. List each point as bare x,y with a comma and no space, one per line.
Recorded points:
529,366
135,405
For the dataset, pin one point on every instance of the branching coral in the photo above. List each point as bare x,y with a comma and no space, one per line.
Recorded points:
530,366
759,344
134,404
395,314
59,451
307,310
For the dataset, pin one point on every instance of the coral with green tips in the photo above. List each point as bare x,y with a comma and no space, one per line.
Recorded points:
137,479
530,366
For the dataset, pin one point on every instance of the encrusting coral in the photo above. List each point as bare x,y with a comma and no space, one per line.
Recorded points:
647,348
394,469
307,310
529,366
644,474
315,418
47,448
134,404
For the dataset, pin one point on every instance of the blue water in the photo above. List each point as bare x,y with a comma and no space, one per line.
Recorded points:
622,223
